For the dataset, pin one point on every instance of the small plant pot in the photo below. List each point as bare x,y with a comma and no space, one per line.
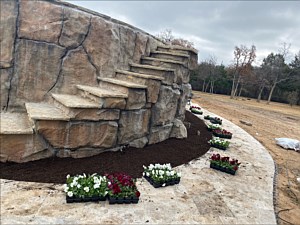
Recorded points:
214,121
125,200
86,199
196,111
218,146
167,183
222,135
223,169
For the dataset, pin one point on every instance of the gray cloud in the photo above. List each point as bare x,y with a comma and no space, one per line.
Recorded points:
215,27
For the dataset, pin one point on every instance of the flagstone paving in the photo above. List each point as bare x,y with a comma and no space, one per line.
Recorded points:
204,195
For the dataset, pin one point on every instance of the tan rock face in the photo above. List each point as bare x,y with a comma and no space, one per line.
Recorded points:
8,16
40,20
22,148
127,46
102,44
185,94
75,28
139,143
78,134
5,75
133,125
140,47
178,129
76,70
37,68
159,133
164,110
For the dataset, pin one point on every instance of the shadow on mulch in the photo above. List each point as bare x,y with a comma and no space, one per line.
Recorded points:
130,161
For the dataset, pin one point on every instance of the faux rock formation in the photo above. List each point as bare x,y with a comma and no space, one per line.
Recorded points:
8,15
84,83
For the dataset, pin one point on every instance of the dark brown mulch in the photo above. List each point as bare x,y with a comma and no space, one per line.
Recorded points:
130,161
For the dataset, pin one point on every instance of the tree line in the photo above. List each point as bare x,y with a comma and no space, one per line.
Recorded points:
274,79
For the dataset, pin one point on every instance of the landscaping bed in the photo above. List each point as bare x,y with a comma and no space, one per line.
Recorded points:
130,161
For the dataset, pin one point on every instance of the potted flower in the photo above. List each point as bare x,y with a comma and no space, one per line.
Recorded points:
161,175
216,120
82,188
196,110
212,127
219,143
224,164
207,117
122,189
222,133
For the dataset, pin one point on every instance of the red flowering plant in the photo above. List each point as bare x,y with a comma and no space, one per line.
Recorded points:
224,164
216,120
196,109
121,185
222,133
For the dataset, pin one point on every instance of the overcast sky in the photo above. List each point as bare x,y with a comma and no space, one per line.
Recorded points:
215,27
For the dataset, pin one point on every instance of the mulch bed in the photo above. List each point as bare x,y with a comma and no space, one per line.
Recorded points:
130,161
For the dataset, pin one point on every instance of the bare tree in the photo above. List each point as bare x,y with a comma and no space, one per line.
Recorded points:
168,37
243,58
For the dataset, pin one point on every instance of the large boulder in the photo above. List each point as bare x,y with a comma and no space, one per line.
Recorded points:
5,76
178,130
164,110
40,20
76,69
102,45
75,28
185,94
160,133
72,135
23,148
8,17
133,125
36,71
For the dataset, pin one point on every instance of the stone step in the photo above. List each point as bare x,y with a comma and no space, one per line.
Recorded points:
15,123
18,141
140,75
171,56
181,68
75,101
136,92
152,82
79,108
125,84
166,73
177,49
104,97
157,61
45,111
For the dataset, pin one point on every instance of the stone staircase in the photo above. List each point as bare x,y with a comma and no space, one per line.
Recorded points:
129,109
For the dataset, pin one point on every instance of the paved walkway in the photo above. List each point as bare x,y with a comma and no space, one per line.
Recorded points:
204,195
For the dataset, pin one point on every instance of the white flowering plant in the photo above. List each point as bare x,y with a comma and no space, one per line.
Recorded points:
161,174
218,142
82,186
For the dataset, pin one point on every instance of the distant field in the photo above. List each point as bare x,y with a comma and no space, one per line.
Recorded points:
268,122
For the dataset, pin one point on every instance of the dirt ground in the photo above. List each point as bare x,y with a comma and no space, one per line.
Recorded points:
268,122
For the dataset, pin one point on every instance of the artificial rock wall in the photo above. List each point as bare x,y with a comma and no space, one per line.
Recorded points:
50,47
